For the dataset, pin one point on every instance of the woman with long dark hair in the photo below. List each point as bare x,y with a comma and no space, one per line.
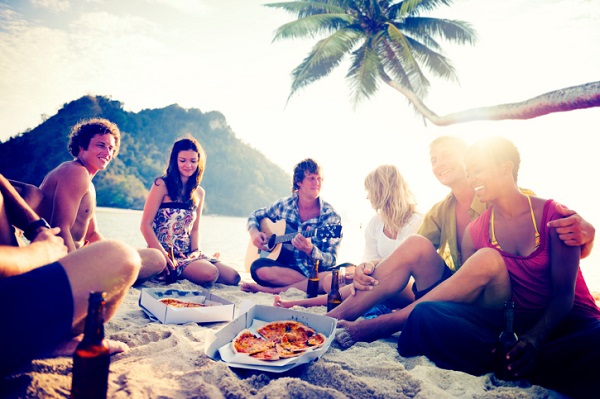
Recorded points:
171,218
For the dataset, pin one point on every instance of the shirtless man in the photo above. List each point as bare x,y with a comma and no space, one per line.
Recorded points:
69,196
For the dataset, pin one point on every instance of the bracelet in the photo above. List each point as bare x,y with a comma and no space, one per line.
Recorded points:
31,232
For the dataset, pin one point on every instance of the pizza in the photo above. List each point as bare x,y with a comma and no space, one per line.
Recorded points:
278,340
176,303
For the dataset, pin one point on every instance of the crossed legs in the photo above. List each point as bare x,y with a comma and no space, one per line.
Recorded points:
482,280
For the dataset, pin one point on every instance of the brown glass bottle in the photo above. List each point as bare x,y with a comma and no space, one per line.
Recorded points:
171,276
334,297
91,360
506,341
312,287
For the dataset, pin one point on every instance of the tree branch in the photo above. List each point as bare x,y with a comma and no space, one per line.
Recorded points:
562,100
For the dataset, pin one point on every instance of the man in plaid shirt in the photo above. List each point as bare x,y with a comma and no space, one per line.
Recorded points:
303,212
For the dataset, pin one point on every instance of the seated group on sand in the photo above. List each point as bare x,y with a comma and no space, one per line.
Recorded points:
441,278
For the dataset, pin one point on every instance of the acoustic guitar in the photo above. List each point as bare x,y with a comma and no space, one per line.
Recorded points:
276,233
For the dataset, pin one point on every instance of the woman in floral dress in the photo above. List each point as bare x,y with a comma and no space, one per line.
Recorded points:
172,213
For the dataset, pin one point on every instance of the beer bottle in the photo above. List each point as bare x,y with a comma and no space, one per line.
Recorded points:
91,359
334,297
506,341
312,287
171,274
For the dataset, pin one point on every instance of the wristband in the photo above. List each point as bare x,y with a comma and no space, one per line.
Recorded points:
30,231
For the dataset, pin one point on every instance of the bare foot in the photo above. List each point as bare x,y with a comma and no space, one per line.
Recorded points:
254,287
67,348
352,332
343,335
279,303
217,255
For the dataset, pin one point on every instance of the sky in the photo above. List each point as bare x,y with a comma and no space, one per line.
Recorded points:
219,55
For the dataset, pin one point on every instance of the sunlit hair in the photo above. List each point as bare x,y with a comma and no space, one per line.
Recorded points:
302,169
497,150
452,143
172,177
82,133
390,196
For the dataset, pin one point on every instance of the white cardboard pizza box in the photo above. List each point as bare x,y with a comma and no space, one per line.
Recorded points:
216,309
218,344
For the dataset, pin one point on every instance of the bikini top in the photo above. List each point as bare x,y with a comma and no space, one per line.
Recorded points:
537,233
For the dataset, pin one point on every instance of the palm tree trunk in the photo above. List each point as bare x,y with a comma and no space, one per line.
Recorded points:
562,100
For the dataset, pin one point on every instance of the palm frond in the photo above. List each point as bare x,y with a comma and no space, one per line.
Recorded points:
451,30
304,9
429,5
435,62
323,58
363,72
407,7
312,26
404,55
393,66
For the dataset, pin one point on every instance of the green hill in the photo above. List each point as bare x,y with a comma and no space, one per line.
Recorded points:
237,180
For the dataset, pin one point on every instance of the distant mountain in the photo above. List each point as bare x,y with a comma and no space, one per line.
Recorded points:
237,180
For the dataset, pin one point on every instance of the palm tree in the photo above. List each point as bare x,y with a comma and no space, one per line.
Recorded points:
392,42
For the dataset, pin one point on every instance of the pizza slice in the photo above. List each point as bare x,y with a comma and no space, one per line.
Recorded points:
274,330
317,340
177,303
286,352
269,354
248,343
293,345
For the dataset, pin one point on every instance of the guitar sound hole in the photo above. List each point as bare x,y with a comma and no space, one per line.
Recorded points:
271,242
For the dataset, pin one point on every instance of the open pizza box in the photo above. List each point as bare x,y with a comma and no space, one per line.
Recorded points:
215,308
252,317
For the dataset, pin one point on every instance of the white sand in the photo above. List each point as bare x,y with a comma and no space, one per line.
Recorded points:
168,361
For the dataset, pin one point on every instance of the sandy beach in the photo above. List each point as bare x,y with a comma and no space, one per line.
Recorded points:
168,361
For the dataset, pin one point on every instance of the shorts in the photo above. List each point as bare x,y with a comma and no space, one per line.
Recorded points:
445,275
266,262
37,313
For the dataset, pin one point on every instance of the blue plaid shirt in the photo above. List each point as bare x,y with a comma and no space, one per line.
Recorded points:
287,209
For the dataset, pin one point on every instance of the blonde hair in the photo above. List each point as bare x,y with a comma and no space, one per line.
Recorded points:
390,196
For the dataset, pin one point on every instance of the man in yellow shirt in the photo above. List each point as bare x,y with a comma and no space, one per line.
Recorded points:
427,259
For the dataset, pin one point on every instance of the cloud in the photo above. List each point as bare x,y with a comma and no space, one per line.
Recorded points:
184,6
54,5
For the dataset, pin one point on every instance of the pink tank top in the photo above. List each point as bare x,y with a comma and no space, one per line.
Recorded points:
530,275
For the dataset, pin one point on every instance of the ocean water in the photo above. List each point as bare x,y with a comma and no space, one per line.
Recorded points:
228,236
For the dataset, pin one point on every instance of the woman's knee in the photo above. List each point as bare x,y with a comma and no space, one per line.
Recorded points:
201,272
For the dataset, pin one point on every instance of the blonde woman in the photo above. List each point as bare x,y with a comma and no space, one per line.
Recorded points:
396,217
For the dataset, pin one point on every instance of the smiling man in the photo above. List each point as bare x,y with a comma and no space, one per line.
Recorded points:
434,254
304,211
69,196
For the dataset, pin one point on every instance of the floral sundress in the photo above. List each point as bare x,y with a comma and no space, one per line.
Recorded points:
173,225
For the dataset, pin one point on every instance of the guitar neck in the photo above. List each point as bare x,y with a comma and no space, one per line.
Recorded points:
290,236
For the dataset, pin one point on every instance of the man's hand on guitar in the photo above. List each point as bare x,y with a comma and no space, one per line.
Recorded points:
302,243
259,239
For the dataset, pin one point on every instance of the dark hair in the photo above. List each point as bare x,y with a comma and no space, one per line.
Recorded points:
303,168
172,177
497,150
82,133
